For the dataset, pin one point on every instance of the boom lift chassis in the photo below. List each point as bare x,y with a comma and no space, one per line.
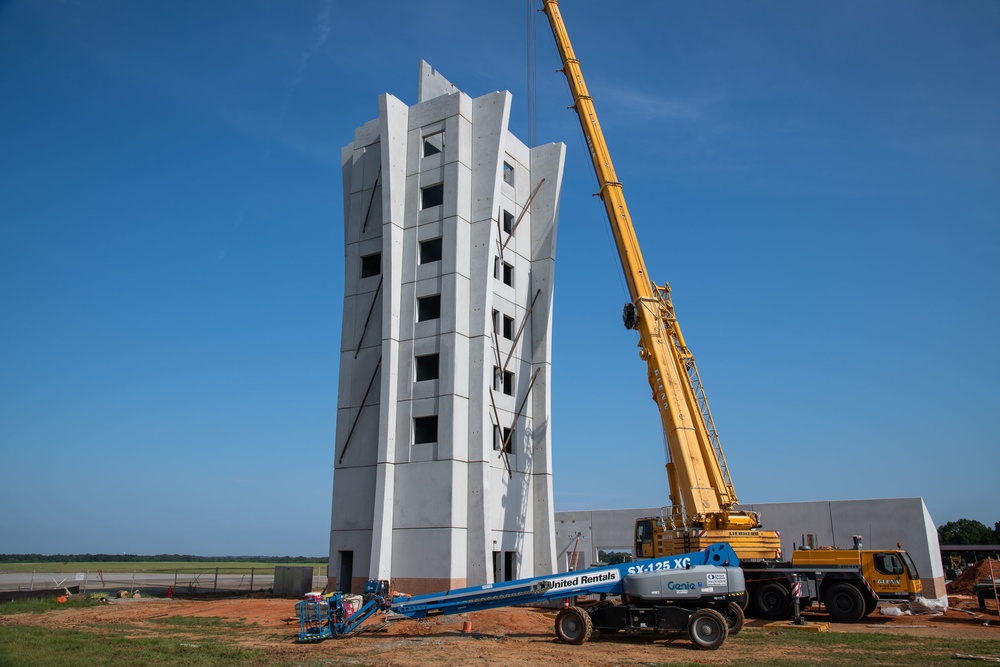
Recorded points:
698,594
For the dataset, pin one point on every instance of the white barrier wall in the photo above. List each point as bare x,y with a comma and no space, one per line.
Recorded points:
882,523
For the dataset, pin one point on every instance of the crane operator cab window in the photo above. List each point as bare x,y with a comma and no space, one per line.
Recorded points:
887,563
644,538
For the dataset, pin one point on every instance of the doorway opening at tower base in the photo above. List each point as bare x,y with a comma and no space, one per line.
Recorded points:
505,568
346,571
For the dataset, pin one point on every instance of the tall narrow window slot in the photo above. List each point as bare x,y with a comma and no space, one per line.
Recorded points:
508,222
508,173
428,308
503,381
503,438
371,265
508,327
430,251
503,271
432,195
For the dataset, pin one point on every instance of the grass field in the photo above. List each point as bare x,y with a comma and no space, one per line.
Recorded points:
205,642
228,567
213,641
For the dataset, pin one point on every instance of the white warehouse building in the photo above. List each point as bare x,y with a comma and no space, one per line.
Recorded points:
443,466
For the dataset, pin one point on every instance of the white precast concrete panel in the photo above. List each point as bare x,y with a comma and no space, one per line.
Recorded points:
432,84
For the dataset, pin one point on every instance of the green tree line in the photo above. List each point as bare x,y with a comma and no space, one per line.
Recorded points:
159,558
968,531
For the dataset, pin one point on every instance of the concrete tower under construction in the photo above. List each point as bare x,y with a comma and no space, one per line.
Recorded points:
443,466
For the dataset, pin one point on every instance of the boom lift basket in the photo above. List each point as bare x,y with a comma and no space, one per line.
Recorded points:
314,617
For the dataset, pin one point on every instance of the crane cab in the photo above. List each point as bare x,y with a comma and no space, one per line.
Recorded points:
891,573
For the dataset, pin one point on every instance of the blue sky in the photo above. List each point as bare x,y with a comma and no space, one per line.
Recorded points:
819,183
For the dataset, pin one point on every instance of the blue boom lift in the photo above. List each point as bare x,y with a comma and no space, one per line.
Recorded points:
701,594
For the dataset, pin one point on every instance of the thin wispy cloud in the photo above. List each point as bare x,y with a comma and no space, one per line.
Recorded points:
658,107
323,27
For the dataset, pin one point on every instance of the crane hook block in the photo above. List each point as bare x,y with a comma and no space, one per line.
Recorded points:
629,316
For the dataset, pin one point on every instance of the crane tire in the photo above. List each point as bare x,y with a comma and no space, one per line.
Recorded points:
844,603
871,604
772,601
573,626
707,629
733,613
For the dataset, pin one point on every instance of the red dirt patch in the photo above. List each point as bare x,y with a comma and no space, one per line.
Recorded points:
971,575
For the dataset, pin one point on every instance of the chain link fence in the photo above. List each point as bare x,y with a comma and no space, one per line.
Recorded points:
180,582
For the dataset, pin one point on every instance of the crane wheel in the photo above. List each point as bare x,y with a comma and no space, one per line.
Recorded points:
844,603
772,601
871,604
707,629
573,626
733,613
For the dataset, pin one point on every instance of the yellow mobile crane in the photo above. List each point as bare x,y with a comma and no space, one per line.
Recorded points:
702,498
849,582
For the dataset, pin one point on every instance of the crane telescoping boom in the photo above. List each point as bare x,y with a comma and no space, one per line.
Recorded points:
702,495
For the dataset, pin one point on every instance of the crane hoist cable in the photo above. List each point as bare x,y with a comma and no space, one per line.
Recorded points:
530,17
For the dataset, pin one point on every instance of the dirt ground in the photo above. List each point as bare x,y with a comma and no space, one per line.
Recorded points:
509,636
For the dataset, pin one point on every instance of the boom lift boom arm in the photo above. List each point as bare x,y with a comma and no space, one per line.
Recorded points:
672,576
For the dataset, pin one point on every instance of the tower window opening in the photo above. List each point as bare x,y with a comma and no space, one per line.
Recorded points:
503,271
430,251
503,439
508,222
428,308
432,195
508,327
425,430
427,367
433,144
371,265
503,381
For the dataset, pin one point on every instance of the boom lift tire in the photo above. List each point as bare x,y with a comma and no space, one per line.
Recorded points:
573,625
844,603
707,629
772,601
733,613
871,604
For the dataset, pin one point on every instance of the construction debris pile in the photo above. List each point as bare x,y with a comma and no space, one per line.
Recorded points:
972,575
